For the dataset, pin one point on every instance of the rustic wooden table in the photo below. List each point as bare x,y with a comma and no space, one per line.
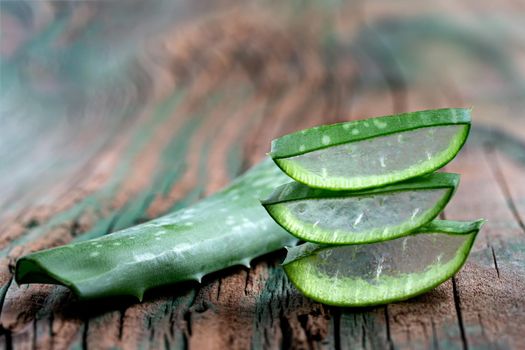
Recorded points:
168,106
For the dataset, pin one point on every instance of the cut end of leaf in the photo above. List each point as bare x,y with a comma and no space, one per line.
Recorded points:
356,217
383,272
373,152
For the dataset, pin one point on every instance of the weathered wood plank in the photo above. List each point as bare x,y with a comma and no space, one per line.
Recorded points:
490,286
211,115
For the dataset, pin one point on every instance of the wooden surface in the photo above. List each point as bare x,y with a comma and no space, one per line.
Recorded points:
192,101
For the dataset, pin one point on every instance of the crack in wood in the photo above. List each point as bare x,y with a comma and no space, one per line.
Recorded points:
363,335
51,332
495,260
85,332
219,284
247,281
8,338
167,344
34,335
286,332
387,326
336,319
187,330
457,305
435,343
122,317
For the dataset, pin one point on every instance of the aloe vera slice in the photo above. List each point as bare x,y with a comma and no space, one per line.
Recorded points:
226,229
373,152
353,217
377,273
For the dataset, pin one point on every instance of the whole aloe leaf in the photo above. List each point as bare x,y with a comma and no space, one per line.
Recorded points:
226,229
373,152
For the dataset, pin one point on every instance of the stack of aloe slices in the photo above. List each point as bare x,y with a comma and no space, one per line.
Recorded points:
365,201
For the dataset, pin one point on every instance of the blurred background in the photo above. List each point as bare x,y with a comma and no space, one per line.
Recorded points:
76,76
116,112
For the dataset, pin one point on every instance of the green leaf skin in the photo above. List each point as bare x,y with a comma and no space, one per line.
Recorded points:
384,272
356,217
373,152
226,229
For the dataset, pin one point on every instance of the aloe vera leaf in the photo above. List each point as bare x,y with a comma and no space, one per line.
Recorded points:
383,272
226,229
373,152
355,217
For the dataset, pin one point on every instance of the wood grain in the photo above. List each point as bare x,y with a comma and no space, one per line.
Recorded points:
205,100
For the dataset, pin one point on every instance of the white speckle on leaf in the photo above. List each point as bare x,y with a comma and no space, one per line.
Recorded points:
382,161
355,131
94,254
346,126
324,172
358,219
454,115
189,224
429,156
186,215
325,140
414,213
158,238
143,256
302,148
316,223
380,124
380,267
366,124
400,138
181,247
116,244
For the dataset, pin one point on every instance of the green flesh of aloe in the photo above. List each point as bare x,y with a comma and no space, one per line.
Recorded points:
373,152
226,229
377,273
354,217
